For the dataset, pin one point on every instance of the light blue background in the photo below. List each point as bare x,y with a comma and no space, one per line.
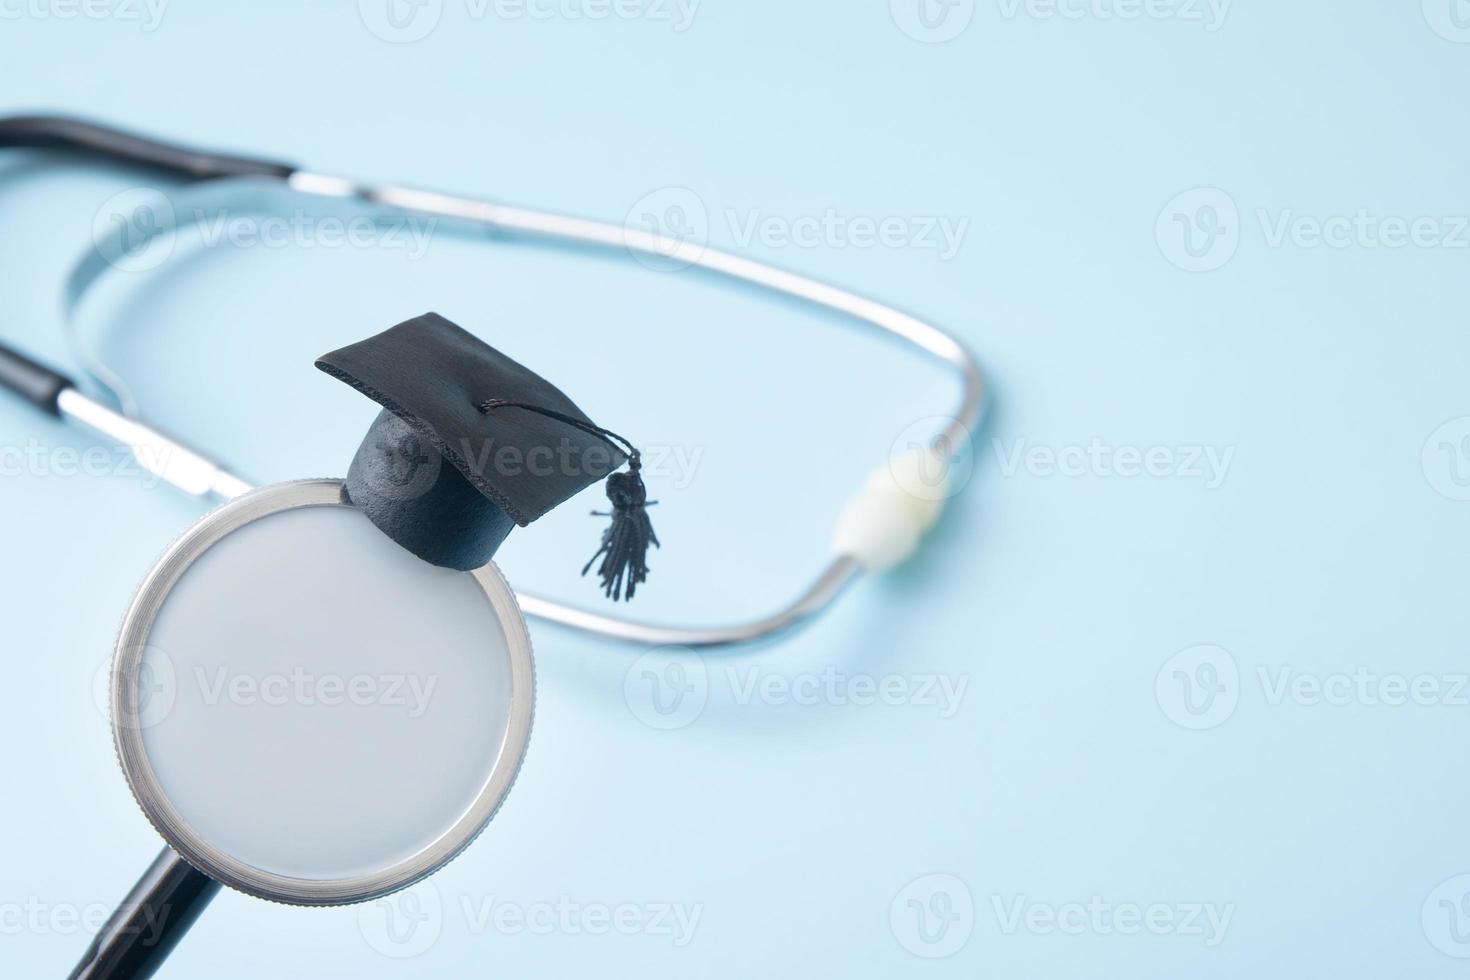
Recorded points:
1058,599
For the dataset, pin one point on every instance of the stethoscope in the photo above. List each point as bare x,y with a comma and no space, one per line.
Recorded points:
339,840
877,529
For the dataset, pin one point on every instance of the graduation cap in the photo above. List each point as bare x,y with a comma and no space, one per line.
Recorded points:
471,444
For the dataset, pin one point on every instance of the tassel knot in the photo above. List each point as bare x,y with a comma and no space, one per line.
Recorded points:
624,550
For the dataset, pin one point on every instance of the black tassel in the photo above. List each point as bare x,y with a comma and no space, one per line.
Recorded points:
624,550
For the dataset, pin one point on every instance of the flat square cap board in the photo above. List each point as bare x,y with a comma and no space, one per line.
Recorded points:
311,714
435,376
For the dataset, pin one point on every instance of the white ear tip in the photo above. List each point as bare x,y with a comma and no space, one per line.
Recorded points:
882,526
875,532
921,478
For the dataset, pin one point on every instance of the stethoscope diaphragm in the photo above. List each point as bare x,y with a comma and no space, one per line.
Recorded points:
310,714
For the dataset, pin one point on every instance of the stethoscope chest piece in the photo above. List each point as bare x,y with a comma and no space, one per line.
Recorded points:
310,714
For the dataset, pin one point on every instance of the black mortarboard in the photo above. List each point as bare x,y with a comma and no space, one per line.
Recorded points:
517,447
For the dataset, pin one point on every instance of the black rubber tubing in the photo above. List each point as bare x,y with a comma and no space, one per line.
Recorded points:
34,382
149,923
107,144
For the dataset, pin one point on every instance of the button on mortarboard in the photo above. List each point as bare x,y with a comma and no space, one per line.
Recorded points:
506,467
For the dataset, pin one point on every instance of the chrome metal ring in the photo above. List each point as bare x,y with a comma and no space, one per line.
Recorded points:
148,790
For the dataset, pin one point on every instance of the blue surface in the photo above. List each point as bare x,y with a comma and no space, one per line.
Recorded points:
1084,811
